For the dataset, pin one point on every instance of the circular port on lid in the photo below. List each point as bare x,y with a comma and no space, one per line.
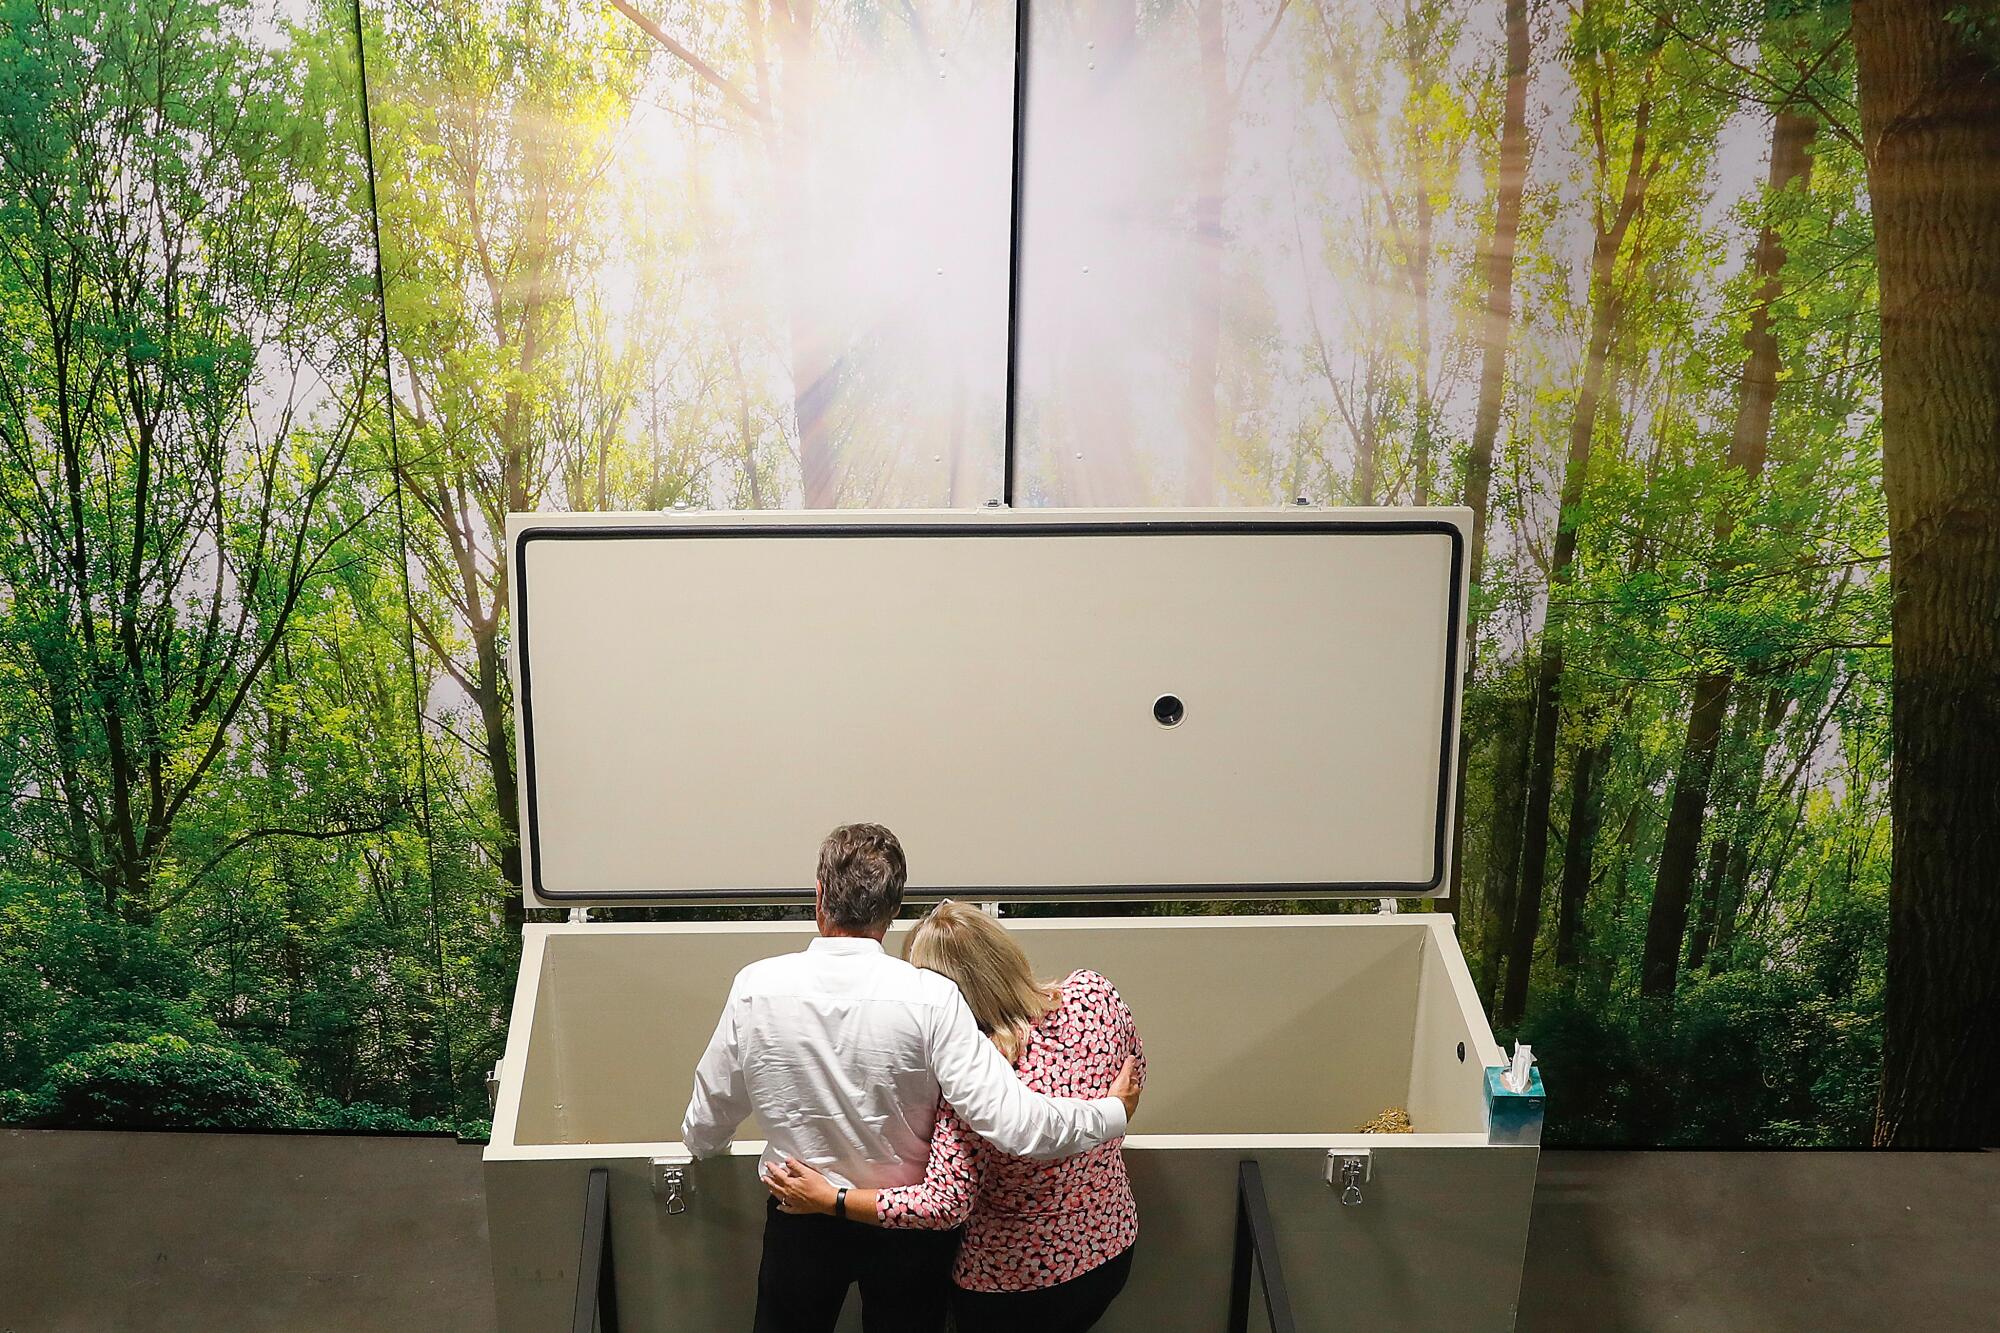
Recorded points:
1168,710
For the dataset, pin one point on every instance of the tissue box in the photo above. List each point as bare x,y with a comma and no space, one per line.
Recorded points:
1514,1117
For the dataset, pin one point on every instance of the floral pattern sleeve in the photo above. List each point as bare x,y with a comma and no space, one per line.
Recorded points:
943,1198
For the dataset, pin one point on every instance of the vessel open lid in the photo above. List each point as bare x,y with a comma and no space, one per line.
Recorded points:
1042,704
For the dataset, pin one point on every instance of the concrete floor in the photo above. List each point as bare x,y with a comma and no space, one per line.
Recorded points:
105,1231
114,1231
1825,1241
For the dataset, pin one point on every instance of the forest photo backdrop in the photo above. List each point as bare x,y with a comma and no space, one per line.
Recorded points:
1696,305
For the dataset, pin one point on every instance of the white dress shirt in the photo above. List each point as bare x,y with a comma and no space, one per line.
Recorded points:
842,1051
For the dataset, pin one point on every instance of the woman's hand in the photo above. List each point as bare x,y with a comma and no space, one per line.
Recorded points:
798,1188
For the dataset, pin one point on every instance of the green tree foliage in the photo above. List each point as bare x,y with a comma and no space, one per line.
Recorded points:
166,1080
212,832
1688,566
259,862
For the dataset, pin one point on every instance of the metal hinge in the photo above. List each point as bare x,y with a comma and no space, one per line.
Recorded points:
672,1185
1348,1169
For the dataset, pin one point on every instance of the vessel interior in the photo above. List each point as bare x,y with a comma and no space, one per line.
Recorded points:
1252,1025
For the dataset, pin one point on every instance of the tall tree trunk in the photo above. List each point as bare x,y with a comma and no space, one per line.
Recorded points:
1604,313
1666,921
1496,328
1503,866
521,311
1419,38
1586,805
1738,810
489,673
1729,890
1547,705
1710,900
1497,263
1749,444
1731,765
1202,419
1930,115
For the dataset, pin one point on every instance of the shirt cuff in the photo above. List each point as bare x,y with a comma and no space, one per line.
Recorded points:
1114,1118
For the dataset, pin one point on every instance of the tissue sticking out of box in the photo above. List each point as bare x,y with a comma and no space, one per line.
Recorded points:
1516,1077
1395,1120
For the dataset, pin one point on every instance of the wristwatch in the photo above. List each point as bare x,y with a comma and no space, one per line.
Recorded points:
840,1203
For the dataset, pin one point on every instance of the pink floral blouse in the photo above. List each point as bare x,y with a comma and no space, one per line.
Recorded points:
1033,1224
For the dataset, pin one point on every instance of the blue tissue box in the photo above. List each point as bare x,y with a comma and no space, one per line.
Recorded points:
1514,1117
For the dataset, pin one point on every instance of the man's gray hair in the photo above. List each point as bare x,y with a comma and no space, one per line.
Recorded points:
861,877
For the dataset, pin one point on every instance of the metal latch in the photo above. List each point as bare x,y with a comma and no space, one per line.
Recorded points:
1348,1169
671,1183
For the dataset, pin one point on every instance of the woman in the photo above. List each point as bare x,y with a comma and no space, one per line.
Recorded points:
1048,1245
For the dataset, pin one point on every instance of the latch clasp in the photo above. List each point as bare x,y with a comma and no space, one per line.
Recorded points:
1348,1169
671,1183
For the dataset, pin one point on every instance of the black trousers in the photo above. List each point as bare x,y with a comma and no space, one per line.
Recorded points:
811,1261
1067,1307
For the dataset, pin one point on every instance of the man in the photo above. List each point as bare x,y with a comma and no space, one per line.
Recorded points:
842,1051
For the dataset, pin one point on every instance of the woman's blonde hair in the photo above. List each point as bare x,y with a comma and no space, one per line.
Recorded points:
992,972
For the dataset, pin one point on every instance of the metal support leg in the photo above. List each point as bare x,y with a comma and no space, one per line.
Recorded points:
596,1290
1239,1274
1257,1245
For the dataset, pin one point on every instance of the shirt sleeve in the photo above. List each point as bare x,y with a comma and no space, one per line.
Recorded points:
990,1098
721,1099
943,1198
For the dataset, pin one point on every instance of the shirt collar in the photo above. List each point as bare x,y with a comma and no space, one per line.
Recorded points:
844,944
